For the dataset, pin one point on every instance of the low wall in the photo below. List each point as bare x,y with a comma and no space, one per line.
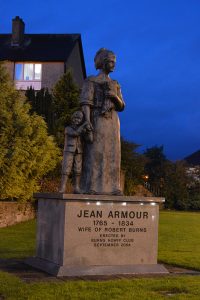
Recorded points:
13,212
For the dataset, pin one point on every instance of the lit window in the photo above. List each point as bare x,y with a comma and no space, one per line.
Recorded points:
38,69
28,72
18,71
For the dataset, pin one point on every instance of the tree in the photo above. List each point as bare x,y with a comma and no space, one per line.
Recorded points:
26,151
132,164
175,187
155,166
65,103
42,103
168,179
56,107
194,198
30,94
193,174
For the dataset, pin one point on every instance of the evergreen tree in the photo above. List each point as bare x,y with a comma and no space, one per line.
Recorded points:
175,188
26,151
133,165
168,178
155,167
56,108
49,111
42,103
194,198
30,95
65,103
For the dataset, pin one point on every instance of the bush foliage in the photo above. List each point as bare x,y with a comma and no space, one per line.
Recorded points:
65,102
26,150
57,106
42,104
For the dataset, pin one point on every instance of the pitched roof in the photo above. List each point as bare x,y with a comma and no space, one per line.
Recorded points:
39,47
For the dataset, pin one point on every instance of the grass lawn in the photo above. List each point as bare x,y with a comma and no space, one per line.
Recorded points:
179,244
179,239
183,287
18,241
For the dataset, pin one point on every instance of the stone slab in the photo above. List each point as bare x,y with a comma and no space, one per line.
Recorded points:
88,233
110,198
79,233
69,271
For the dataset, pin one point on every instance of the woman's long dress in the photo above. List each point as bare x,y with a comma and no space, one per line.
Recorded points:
102,158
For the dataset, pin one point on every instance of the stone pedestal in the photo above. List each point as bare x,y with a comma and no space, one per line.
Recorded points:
97,235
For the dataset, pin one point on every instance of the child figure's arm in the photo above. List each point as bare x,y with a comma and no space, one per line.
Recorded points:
82,128
69,131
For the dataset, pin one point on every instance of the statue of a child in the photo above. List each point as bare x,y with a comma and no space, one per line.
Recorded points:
73,150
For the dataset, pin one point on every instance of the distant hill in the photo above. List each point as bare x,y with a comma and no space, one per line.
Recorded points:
193,159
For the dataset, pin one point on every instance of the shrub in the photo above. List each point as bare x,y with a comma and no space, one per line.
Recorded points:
65,103
26,150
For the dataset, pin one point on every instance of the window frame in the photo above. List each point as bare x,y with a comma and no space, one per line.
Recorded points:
23,79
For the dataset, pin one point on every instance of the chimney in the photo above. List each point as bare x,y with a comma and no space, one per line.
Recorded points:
17,31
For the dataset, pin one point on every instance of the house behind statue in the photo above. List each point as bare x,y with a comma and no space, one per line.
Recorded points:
39,60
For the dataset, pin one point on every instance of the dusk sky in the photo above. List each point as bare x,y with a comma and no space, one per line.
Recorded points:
157,43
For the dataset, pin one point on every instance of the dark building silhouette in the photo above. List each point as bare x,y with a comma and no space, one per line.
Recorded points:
193,159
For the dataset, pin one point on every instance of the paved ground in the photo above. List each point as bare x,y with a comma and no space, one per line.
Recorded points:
29,274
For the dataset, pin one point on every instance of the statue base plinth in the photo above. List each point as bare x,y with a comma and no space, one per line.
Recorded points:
97,235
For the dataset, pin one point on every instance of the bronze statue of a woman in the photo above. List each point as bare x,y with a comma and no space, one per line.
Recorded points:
101,98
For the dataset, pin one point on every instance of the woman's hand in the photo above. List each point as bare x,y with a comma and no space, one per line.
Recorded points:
88,126
86,112
118,102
